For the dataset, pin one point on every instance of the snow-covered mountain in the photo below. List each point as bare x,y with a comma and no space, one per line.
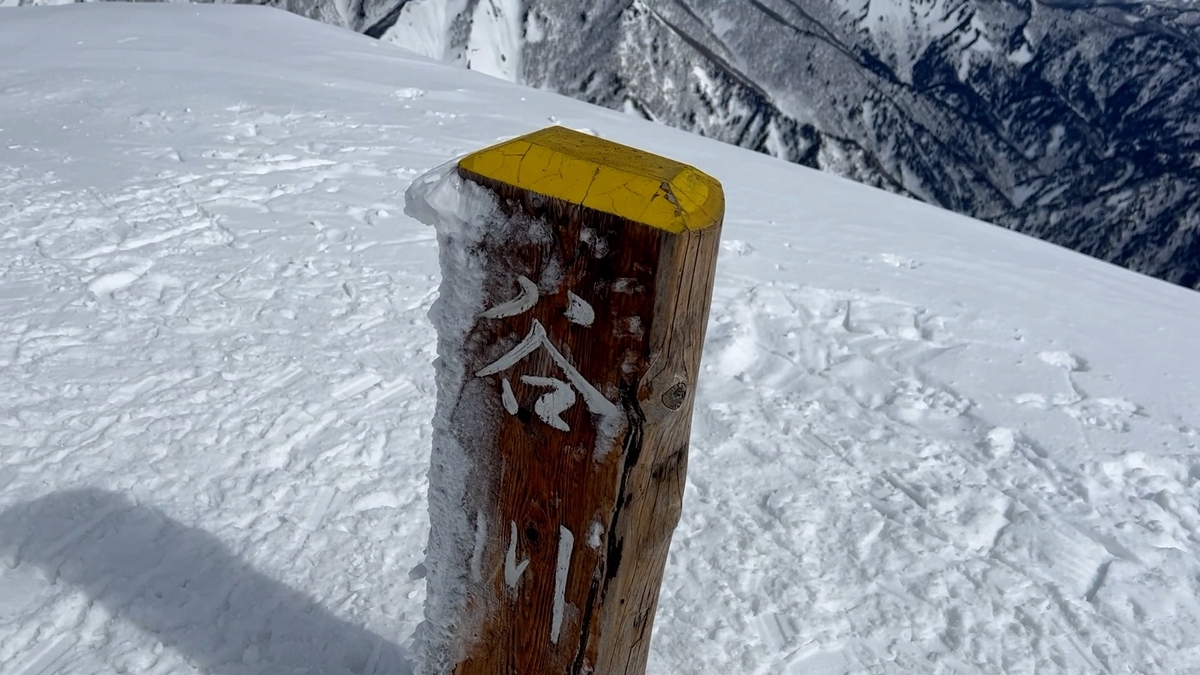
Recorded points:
1071,120
923,445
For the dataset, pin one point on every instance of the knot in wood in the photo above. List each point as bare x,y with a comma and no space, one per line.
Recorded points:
674,397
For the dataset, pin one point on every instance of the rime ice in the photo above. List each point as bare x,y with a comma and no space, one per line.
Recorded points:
458,210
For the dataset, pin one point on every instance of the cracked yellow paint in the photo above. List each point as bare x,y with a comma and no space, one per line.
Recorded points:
581,169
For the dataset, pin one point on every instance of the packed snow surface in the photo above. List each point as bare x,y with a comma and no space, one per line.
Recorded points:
923,445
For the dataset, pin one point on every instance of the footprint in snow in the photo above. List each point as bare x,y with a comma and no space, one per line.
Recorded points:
737,247
1065,360
408,93
899,261
107,284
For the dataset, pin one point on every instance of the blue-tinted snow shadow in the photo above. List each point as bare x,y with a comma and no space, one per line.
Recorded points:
187,590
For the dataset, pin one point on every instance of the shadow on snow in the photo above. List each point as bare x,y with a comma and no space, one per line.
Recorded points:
186,589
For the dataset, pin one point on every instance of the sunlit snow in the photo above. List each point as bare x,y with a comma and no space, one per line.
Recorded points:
922,444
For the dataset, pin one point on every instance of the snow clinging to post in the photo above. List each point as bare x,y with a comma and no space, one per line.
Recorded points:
594,533
459,210
480,543
579,311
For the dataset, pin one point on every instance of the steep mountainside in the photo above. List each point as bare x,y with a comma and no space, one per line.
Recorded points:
1070,120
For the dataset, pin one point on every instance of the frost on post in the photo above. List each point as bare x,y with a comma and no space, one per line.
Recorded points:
577,275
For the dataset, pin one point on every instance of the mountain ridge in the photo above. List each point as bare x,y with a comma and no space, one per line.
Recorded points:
1068,120
1060,120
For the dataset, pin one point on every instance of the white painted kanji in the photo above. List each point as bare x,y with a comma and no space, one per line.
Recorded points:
512,569
550,407
518,305
579,311
566,543
508,398
552,404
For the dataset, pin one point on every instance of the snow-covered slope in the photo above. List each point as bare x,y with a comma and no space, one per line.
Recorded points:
923,444
1069,120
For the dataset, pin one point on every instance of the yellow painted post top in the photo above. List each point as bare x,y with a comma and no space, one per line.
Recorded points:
609,177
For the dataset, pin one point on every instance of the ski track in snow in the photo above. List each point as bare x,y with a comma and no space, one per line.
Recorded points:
894,512
204,343
215,401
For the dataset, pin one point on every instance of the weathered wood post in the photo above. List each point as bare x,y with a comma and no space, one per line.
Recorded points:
577,278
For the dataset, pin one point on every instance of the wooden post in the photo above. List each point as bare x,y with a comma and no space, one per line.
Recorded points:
571,407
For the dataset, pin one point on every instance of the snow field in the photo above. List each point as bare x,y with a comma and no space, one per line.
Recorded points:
922,444
893,510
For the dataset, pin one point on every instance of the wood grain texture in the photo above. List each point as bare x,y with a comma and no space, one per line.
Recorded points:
618,495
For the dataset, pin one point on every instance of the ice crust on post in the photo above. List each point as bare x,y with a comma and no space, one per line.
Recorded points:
461,212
